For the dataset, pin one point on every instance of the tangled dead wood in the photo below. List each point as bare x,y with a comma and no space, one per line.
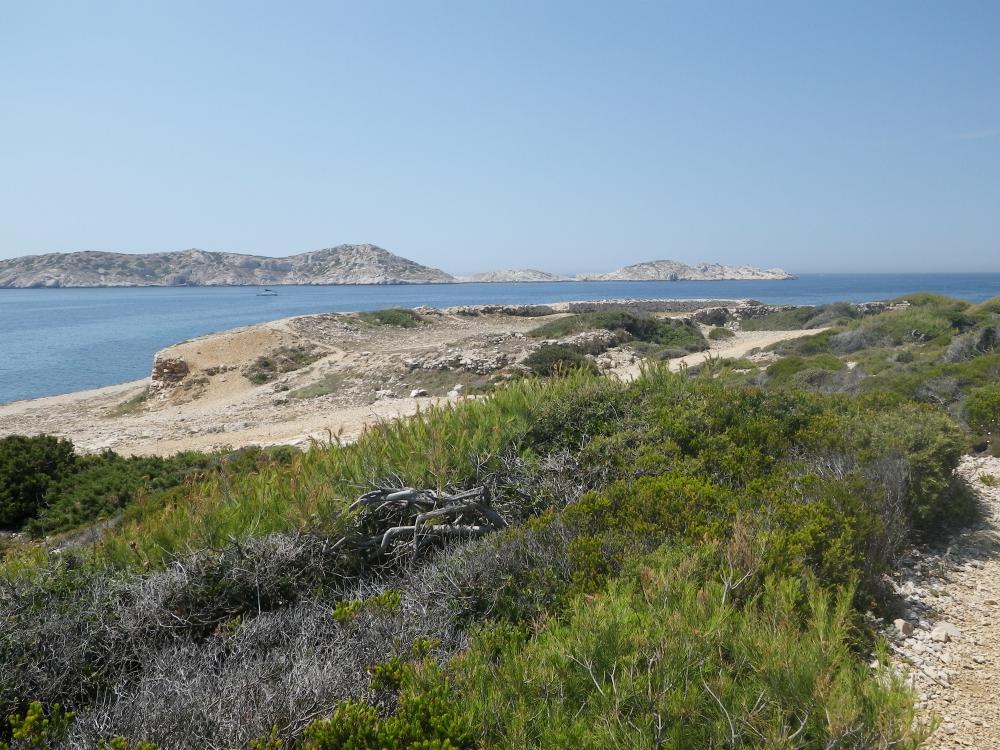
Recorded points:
395,523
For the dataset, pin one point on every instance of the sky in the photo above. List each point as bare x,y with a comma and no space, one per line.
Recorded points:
473,135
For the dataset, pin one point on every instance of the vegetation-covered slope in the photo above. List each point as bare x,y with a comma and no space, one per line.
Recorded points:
685,564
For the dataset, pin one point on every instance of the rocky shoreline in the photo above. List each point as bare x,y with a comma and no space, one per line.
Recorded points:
946,641
345,374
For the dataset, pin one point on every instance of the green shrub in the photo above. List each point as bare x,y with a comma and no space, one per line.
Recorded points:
29,466
579,413
915,325
554,358
986,310
132,405
103,484
427,719
393,316
804,317
348,610
267,367
332,382
678,333
982,410
784,320
720,334
123,743
786,367
805,346
930,445
36,728
670,657
930,300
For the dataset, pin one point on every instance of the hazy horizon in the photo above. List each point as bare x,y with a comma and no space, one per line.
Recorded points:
568,272
567,137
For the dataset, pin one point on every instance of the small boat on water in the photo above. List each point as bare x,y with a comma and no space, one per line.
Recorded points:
265,292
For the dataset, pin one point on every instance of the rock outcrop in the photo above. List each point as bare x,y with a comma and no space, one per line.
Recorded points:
168,371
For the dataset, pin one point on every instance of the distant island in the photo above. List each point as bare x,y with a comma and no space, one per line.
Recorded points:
513,274
343,264
672,270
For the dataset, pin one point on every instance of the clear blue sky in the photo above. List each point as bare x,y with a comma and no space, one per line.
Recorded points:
568,136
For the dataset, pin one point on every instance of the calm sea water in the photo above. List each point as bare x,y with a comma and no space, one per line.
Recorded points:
61,340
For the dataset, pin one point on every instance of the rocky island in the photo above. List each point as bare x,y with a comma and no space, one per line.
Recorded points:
672,270
343,264
508,275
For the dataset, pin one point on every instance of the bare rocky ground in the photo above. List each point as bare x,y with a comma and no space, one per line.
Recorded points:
947,641
350,374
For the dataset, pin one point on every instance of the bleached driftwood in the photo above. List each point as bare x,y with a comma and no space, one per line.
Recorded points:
393,522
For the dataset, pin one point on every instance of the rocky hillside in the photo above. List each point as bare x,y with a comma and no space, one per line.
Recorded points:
672,270
511,274
344,264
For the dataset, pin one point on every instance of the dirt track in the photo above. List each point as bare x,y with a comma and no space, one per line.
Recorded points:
956,590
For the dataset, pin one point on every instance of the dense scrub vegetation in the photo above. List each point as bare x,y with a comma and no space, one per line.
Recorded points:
720,334
929,349
804,317
686,563
393,316
552,358
46,487
267,367
671,333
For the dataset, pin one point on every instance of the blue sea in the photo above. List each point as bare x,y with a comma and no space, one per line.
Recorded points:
60,340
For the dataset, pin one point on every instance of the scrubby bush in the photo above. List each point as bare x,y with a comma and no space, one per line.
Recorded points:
427,719
554,358
393,316
671,353
785,368
29,467
805,346
103,484
267,367
985,310
680,334
631,666
804,317
965,347
720,334
915,325
37,728
677,333
982,410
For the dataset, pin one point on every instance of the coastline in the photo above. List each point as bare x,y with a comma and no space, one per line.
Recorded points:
456,281
357,376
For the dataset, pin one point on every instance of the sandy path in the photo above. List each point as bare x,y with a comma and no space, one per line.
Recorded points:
740,345
957,589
